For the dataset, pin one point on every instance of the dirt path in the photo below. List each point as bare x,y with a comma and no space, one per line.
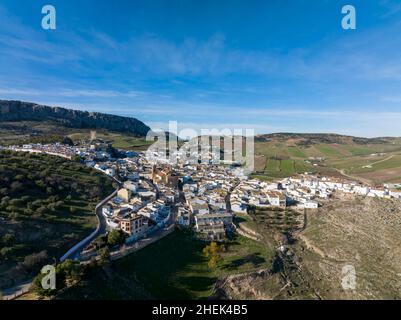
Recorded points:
363,180
360,179
380,161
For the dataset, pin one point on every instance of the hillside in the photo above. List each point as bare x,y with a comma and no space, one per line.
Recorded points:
346,232
47,205
305,139
185,275
370,160
16,111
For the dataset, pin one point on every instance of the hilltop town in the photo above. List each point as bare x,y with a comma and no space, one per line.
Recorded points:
152,195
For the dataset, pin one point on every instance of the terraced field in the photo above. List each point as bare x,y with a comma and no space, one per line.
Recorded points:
329,150
296,152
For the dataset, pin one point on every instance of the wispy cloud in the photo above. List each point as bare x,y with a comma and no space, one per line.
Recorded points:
208,81
73,93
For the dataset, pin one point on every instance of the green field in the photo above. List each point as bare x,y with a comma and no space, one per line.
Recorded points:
296,152
272,166
283,168
327,150
287,167
386,163
359,150
172,268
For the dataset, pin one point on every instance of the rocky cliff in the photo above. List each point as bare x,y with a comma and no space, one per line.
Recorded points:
26,111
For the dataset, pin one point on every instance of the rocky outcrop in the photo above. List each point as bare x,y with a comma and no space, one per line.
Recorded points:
26,111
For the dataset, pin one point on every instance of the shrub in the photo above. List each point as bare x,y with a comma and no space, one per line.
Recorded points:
8,239
5,253
115,237
34,260
213,252
104,254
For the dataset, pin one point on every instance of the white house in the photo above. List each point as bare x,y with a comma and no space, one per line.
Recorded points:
130,185
311,204
277,199
395,194
376,193
217,202
198,206
362,190
238,206
107,211
110,171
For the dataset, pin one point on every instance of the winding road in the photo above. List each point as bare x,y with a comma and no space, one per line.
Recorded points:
100,230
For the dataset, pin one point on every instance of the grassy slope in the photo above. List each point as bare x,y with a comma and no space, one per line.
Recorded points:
358,232
346,231
172,268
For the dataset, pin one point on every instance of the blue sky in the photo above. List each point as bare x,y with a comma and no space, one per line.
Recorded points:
273,66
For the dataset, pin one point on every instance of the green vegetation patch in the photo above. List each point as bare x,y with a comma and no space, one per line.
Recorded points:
327,150
272,166
287,167
360,150
175,267
296,152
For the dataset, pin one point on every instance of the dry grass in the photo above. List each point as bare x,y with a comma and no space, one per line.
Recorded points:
364,233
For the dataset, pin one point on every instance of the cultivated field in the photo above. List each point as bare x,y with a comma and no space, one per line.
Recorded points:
372,160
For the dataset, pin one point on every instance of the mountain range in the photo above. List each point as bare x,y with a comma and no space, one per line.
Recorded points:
15,111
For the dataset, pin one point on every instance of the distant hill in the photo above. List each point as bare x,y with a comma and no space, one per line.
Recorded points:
16,111
307,139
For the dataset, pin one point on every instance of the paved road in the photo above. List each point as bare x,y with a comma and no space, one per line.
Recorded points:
100,230
75,251
11,293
